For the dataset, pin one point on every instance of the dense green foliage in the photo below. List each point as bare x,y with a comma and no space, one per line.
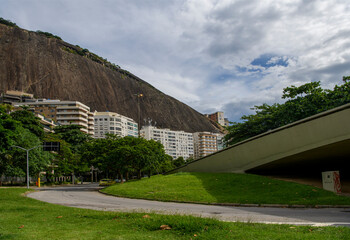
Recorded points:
21,129
29,121
7,22
48,35
72,135
68,160
179,162
301,102
78,151
225,188
25,218
123,156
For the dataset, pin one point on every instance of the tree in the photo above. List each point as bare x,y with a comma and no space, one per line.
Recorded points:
166,164
38,159
121,156
18,129
14,133
65,161
9,130
29,121
301,102
179,162
72,135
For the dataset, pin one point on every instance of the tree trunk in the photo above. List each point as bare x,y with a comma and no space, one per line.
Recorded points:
139,173
127,176
121,176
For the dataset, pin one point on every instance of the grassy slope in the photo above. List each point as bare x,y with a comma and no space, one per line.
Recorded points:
225,188
46,221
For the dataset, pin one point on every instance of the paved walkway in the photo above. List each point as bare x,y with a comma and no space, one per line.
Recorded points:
87,196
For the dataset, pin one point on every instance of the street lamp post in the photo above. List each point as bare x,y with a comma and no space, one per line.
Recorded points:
27,150
139,95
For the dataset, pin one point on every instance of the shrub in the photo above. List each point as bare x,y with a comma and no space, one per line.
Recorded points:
7,22
49,35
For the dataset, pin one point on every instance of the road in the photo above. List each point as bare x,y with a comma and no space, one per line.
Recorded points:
87,196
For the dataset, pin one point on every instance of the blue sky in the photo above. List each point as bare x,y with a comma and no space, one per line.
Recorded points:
212,55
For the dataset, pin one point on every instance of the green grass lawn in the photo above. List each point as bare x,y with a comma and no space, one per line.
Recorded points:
225,188
25,218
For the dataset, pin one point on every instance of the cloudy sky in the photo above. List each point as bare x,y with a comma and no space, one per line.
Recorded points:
213,55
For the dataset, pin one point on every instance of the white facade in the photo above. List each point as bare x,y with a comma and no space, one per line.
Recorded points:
220,141
114,123
176,143
63,112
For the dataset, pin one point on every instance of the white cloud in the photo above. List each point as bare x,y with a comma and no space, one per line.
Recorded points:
200,51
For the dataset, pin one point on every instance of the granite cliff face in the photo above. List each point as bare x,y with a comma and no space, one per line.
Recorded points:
49,68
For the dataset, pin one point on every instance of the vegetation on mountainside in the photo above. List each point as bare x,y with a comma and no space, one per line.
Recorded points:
301,102
26,218
78,50
7,22
225,188
12,24
48,35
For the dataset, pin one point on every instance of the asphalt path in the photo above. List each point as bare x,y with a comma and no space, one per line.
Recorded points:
87,196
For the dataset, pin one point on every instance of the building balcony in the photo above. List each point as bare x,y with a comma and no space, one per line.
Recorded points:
72,122
73,113
75,123
71,118
72,108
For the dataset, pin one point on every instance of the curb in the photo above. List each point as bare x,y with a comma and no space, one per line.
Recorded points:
240,204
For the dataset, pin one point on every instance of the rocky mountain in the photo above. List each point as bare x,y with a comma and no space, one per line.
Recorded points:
51,68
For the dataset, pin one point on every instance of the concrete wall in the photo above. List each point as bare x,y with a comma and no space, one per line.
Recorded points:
325,129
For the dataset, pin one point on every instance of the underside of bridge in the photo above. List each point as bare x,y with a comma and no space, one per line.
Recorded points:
298,151
310,164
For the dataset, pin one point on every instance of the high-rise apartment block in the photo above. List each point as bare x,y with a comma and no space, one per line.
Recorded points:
63,112
47,123
176,143
205,143
217,117
220,144
114,123
11,97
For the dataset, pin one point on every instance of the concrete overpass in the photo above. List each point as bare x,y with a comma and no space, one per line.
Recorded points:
304,148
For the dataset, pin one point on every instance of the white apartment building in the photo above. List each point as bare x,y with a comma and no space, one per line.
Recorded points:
48,124
220,144
63,112
176,143
114,123
205,143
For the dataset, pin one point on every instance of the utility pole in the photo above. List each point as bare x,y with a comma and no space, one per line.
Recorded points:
27,150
